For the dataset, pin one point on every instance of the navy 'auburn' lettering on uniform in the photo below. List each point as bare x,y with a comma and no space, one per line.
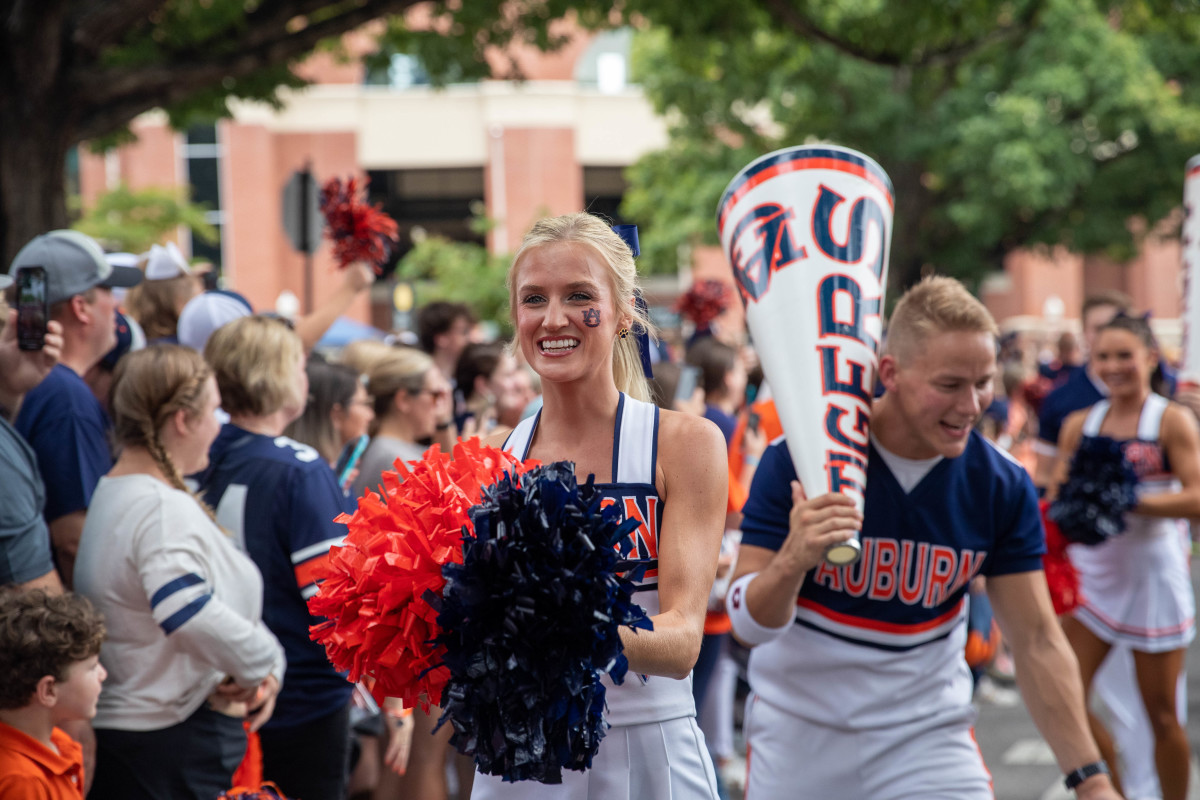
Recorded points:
892,626
643,540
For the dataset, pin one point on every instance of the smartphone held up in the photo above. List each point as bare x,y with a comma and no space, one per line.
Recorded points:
33,308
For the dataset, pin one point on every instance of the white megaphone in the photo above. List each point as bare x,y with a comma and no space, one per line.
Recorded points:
1190,373
807,231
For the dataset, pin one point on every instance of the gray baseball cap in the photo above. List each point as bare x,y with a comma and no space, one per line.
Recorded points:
73,262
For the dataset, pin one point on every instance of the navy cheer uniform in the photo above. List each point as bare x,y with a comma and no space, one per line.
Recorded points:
868,694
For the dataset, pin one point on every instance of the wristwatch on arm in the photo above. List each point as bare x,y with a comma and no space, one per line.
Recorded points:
1080,775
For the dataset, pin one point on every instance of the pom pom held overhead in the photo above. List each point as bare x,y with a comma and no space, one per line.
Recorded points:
359,231
704,301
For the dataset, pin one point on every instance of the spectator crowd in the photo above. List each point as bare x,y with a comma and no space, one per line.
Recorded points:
172,463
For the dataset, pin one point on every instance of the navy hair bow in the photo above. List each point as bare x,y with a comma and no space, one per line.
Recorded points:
629,235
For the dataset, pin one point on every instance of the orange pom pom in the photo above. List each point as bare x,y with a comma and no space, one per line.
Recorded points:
373,591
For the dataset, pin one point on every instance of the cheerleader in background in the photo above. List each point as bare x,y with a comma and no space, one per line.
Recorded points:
1136,588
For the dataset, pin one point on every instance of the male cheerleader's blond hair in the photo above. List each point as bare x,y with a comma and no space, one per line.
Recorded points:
149,387
937,304
590,230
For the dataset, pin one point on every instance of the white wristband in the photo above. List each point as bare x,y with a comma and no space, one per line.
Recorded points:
747,629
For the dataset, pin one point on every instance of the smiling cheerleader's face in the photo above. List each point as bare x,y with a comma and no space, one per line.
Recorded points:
566,312
942,389
1123,361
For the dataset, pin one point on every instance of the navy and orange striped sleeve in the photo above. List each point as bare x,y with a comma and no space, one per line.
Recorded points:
316,501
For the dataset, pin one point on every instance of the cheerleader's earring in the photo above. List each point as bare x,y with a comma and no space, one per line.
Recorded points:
623,333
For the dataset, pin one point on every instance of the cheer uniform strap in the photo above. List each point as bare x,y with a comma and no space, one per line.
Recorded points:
635,442
1095,417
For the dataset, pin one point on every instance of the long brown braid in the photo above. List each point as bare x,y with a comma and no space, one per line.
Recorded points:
149,387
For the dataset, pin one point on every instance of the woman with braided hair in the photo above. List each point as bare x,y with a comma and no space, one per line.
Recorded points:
188,653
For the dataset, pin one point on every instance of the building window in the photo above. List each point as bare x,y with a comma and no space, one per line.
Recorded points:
603,191
402,71
604,66
398,71
440,202
202,162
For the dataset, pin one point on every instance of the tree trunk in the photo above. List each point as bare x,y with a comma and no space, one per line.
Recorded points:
38,115
32,182
912,202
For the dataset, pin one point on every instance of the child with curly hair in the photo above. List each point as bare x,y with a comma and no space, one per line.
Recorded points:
50,673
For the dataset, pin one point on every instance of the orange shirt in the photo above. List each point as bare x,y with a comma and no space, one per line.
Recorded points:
31,771
768,423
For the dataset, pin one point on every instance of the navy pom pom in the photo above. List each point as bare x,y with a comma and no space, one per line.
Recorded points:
530,622
1100,489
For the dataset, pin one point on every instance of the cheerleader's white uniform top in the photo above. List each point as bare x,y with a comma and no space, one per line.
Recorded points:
654,749
1135,586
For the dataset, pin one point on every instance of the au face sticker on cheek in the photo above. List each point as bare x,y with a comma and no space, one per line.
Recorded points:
591,317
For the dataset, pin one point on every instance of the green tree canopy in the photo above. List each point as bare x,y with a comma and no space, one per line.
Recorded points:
74,70
461,272
125,220
1002,124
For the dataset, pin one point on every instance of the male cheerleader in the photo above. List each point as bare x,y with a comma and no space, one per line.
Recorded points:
860,685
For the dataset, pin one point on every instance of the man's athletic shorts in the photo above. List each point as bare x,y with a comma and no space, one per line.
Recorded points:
652,761
790,758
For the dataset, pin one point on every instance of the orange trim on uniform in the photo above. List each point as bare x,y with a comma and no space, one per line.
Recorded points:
974,741
716,623
879,625
308,572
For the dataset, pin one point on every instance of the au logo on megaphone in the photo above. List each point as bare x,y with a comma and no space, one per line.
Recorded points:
762,244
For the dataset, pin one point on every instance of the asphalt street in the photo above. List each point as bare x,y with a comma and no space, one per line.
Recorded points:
1021,764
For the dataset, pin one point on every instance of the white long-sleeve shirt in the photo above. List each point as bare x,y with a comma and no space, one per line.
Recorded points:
183,606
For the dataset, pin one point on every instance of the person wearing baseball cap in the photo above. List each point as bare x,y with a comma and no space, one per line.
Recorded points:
205,313
61,419
170,283
130,337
